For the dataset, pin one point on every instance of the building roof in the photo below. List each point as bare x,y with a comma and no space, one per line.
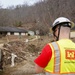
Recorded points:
12,29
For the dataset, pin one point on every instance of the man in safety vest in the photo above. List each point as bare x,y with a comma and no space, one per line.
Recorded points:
58,58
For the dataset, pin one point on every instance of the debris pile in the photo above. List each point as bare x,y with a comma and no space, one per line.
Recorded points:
18,55
21,49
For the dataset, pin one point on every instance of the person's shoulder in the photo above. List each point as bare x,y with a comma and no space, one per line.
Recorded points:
49,44
47,47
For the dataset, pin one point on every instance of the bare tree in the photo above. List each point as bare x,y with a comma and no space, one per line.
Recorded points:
41,14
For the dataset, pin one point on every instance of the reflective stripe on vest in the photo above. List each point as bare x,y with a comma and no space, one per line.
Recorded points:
57,57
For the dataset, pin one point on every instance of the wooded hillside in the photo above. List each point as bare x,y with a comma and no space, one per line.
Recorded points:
41,15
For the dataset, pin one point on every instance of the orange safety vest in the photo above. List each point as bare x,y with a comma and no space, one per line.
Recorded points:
63,58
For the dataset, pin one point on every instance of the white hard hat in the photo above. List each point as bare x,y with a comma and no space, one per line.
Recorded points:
61,20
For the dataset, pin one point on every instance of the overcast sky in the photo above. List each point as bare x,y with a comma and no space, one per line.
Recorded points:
6,3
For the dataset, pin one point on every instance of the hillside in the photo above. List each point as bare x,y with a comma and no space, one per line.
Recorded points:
28,26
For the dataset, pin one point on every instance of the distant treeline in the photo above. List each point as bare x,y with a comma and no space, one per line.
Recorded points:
42,14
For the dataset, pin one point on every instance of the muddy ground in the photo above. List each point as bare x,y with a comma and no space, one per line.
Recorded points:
26,52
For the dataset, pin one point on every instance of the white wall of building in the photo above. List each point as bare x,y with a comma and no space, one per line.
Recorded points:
72,34
22,33
8,33
16,33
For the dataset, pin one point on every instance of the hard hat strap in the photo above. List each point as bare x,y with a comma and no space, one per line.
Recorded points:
57,37
58,32
54,34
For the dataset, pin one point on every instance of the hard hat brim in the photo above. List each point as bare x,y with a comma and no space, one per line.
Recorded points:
72,25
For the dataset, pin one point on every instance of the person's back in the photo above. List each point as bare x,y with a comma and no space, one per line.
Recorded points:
63,55
59,55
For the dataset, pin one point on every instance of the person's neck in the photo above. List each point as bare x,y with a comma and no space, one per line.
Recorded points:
64,37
